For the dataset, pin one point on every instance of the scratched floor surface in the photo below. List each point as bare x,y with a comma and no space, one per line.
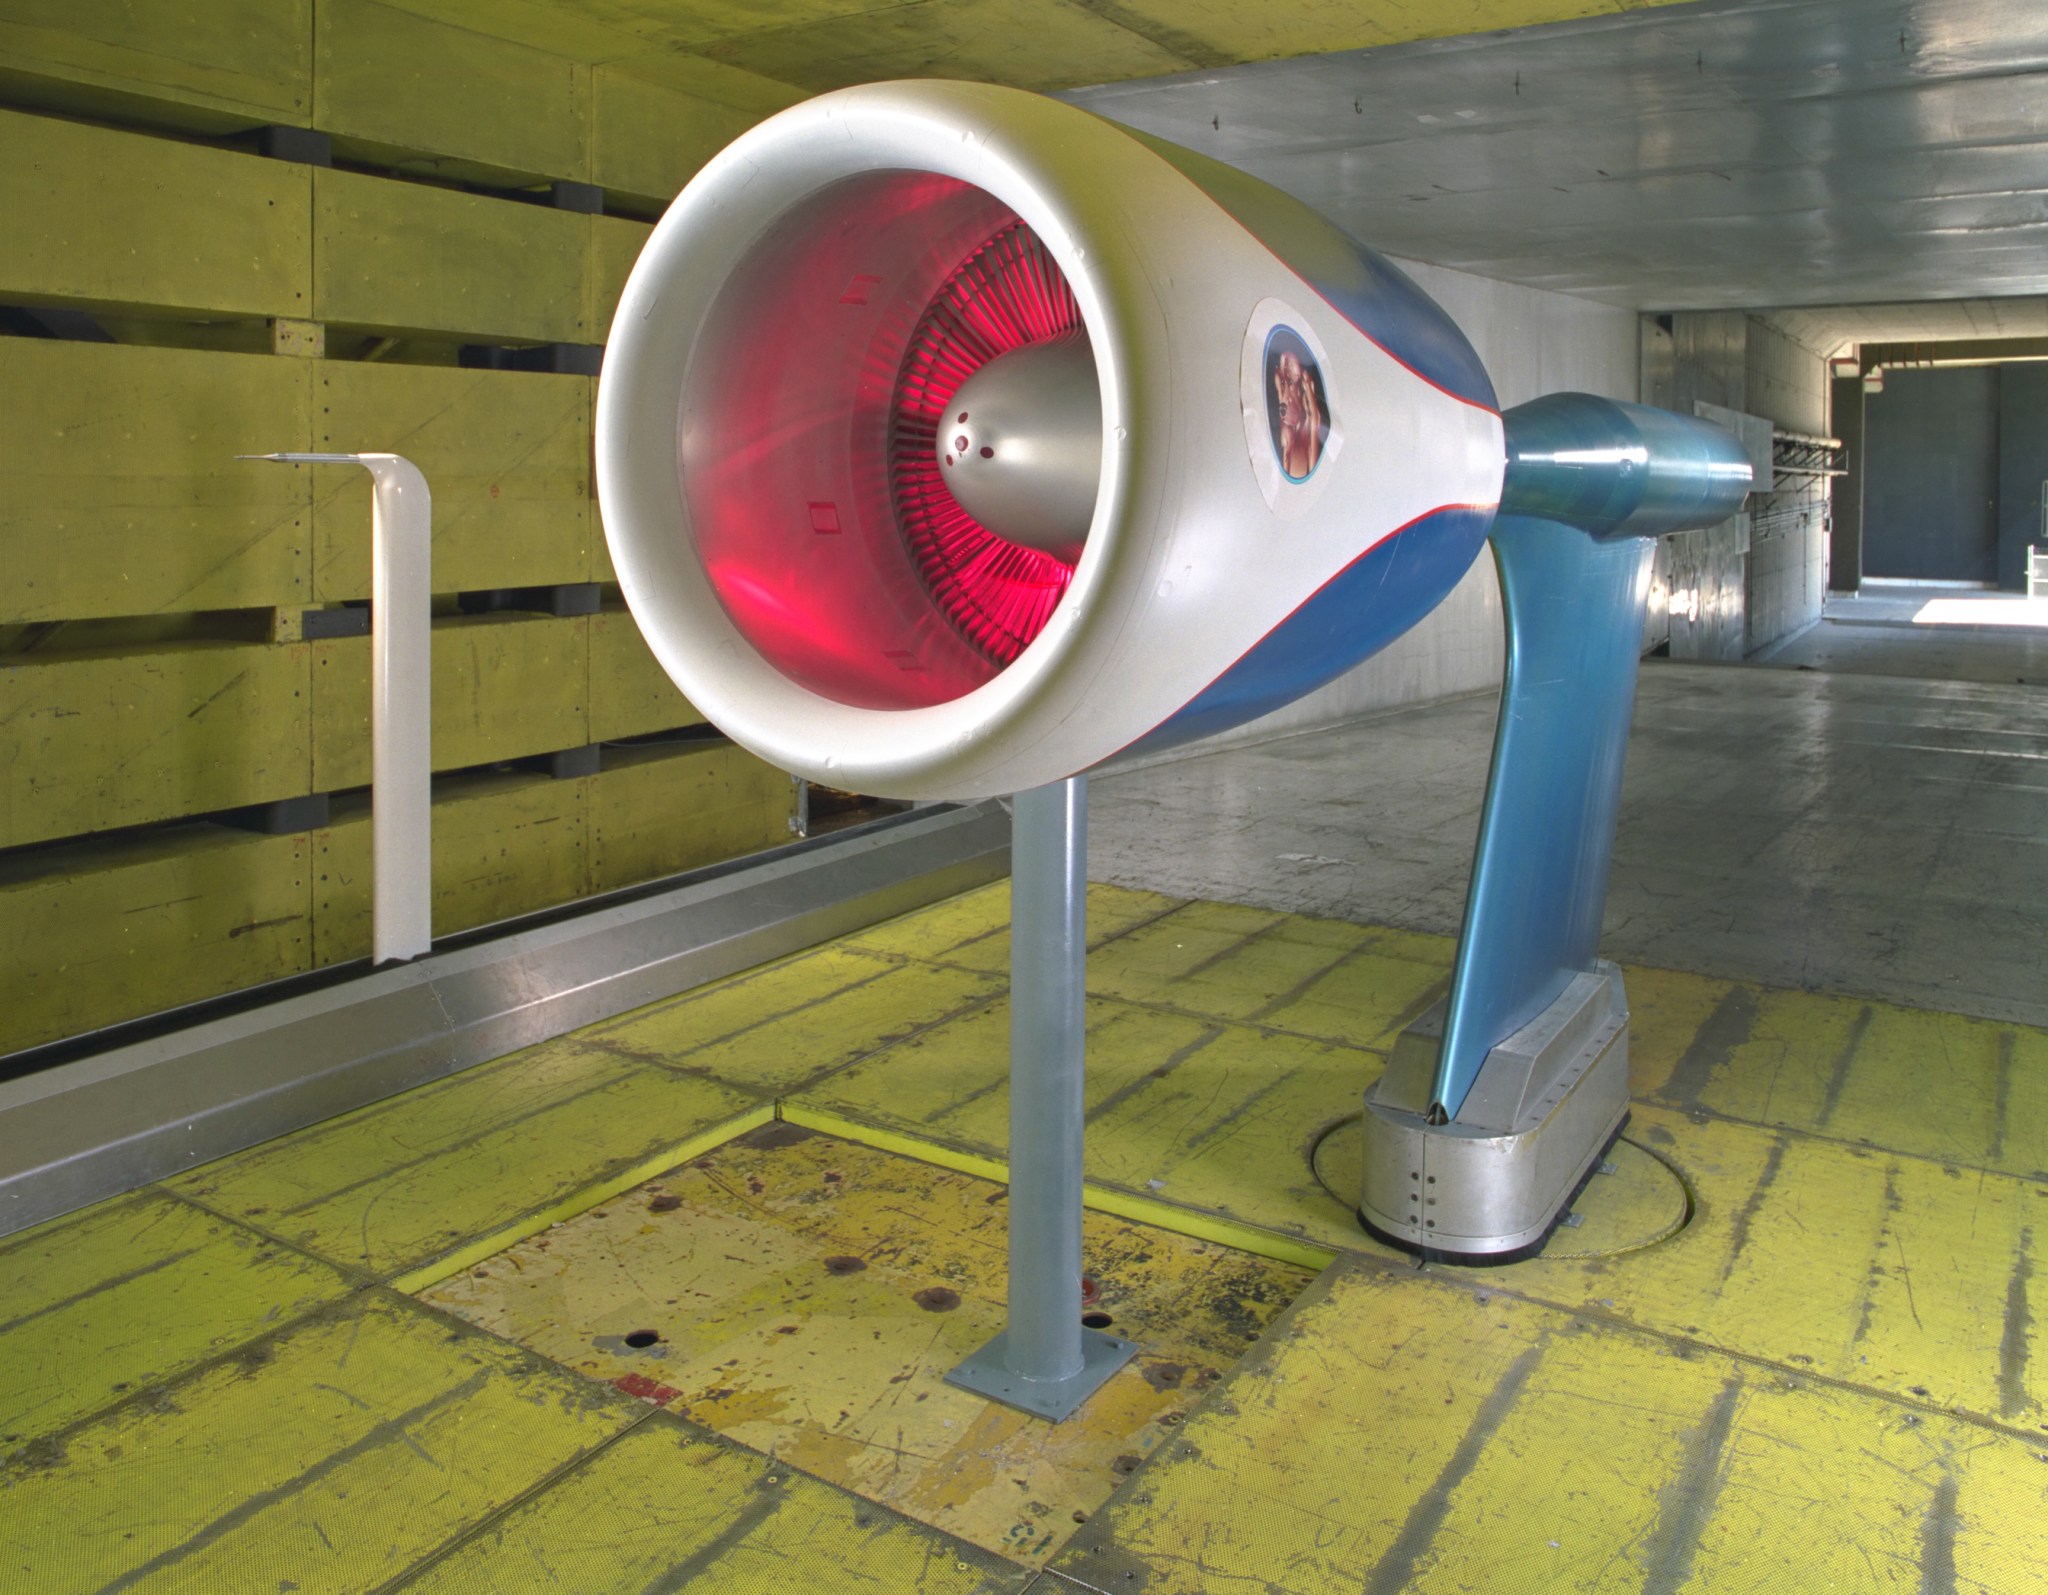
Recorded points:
282,1372
805,1295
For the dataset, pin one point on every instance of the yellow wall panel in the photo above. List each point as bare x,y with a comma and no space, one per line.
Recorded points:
235,62
99,931
394,83
648,25
503,688
1029,44
648,140
1211,33
124,496
615,243
96,933
516,844
574,34
630,694
507,459
408,256
702,79
95,741
654,813
600,550
109,217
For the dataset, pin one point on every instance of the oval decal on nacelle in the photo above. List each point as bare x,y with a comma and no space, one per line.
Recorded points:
1290,418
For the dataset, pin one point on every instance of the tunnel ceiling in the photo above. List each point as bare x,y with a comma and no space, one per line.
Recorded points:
1726,154
1738,153
1835,329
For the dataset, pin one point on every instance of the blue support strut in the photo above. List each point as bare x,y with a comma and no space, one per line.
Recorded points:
1591,483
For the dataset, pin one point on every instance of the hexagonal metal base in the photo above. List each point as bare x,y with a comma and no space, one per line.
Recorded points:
988,1373
1490,1185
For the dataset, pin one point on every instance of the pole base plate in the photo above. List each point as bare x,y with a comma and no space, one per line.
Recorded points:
988,1373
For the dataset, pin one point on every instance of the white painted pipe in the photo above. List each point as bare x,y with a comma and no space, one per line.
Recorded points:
401,545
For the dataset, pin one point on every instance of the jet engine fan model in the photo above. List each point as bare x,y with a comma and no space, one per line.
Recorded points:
953,442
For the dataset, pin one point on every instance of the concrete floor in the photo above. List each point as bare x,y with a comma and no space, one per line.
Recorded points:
1991,637
1872,834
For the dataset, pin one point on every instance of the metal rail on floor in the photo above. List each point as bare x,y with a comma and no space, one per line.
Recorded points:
112,1121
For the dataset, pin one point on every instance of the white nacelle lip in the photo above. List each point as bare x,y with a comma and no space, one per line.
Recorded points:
952,130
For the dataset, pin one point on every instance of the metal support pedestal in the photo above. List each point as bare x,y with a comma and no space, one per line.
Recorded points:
1045,1362
1496,1107
1489,1185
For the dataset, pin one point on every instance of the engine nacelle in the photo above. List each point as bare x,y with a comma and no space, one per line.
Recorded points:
952,441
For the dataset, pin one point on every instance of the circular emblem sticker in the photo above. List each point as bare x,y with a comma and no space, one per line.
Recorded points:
1290,420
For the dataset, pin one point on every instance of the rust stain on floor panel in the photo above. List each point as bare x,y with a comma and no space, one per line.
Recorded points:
805,1296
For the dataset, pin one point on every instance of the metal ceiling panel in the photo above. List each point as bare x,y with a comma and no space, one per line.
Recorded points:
1730,154
1835,329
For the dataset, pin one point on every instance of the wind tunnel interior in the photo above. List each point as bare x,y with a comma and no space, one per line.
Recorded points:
596,1312
811,465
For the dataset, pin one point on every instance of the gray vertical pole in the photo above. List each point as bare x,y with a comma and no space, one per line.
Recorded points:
1048,944
1045,1361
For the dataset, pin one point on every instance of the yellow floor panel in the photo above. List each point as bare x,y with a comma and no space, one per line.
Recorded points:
805,1296
1213,960
330,1457
415,1184
1893,1267
670,1508
1940,1086
783,1027
1832,1377
1213,1117
129,1294
1886,1271
973,929
1411,1432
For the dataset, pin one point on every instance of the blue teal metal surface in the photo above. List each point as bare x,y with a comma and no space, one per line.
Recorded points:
1590,484
1356,613
1619,470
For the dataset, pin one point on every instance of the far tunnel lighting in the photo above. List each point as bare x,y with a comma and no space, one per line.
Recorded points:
1987,611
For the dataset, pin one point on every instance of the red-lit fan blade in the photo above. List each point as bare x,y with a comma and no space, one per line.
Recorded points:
1007,294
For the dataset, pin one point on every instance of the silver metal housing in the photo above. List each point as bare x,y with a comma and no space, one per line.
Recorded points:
1022,449
1492,1183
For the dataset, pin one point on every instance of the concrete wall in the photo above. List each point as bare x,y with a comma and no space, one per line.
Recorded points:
1788,528
1729,590
1699,584
1533,343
